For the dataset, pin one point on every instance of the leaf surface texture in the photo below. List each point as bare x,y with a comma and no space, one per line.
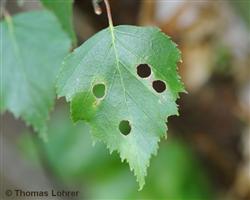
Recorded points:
32,47
111,58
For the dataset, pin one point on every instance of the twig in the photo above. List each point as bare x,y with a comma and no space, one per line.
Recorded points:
109,12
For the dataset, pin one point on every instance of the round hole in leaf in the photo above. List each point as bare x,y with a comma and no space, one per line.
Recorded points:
99,90
159,86
143,70
125,127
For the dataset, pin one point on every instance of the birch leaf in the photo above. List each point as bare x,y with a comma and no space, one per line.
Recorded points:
123,81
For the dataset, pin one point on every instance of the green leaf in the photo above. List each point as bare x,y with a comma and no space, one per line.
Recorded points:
32,48
111,58
64,12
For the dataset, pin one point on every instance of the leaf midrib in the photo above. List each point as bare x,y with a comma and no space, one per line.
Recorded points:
118,67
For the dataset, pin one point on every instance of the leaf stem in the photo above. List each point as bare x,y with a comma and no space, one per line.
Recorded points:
109,13
6,15
98,10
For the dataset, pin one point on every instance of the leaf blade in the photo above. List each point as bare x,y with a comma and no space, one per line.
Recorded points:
111,57
64,12
29,66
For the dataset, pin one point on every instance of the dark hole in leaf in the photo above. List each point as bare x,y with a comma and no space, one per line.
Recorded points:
143,70
99,90
159,86
124,127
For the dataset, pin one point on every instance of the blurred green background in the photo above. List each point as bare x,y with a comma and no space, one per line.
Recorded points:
74,161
